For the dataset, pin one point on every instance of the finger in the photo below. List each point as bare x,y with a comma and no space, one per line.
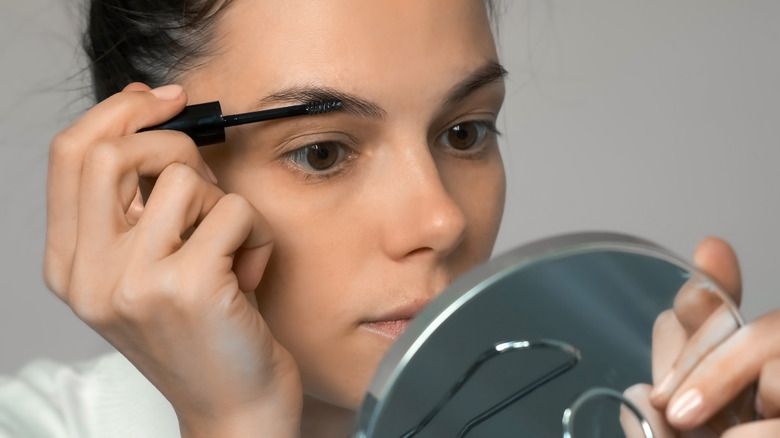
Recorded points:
136,208
757,429
66,154
716,258
697,299
639,395
669,338
768,398
712,333
181,198
705,312
232,228
249,265
127,112
110,183
726,371
137,86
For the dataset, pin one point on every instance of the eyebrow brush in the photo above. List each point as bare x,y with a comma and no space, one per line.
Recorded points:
205,124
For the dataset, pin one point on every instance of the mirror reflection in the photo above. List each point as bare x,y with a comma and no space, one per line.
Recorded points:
562,338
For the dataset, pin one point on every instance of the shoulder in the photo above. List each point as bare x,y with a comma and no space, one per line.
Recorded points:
103,397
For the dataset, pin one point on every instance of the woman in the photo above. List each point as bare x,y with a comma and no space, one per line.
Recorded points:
257,283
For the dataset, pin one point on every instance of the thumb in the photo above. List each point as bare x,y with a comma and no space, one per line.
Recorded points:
716,258
249,265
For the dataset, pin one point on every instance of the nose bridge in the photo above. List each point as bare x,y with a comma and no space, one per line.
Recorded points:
421,213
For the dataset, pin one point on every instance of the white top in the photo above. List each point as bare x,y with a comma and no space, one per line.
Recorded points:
107,397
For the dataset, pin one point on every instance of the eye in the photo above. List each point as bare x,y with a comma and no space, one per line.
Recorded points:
319,157
465,135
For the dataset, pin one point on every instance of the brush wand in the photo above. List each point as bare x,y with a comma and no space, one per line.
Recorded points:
205,124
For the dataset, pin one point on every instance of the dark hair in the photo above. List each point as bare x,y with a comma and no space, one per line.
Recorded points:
152,41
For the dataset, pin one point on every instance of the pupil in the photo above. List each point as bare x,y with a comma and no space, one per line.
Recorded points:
462,136
321,156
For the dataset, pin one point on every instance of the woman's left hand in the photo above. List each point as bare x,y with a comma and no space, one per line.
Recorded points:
696,375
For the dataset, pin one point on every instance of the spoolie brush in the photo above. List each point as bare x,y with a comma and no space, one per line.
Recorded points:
206,125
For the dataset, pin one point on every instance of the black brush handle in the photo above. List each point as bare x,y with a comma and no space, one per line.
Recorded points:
203,122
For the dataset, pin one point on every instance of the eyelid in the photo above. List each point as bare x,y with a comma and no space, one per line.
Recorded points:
301,140
485,120
485,117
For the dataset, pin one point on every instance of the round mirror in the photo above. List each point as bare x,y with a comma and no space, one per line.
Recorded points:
553,339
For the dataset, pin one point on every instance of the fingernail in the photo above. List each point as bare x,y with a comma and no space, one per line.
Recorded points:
664,388
167,92
687,408
210,172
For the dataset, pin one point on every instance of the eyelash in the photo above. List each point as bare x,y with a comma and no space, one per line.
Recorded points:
297,158
488,128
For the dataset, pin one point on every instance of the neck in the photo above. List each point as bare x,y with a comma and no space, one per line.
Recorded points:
324,420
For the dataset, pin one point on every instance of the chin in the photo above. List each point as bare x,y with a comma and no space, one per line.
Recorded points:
343,380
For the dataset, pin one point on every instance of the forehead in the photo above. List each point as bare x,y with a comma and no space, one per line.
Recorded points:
357,44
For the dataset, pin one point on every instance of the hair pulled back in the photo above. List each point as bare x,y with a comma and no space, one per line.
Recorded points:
153,41
150,41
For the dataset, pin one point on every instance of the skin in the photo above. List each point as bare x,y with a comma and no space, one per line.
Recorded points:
247,287
401,219
696,373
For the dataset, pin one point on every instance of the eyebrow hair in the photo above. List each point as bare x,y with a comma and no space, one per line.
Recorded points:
350,103
490,72
355,105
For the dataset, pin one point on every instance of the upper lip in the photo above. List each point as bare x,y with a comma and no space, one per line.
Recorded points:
401,312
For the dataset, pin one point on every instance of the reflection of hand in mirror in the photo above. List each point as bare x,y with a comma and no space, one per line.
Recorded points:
703,365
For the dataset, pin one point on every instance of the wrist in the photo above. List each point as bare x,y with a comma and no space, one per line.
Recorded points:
271,421
236,426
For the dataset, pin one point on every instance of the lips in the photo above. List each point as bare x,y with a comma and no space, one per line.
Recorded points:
393,324
389,329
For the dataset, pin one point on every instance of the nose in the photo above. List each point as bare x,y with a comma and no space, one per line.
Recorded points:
420,213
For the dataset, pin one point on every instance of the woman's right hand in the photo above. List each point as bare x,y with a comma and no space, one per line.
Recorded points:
168,282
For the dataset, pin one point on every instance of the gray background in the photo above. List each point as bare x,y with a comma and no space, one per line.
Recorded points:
659,119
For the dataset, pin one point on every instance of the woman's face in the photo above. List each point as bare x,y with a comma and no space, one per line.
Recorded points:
377,208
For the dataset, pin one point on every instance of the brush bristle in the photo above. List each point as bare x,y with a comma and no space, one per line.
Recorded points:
323,107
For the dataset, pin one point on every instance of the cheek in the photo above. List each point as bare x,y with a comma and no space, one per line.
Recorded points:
311,299
480,190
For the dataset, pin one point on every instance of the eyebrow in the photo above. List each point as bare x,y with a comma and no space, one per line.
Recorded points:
355,105
490,72
350,103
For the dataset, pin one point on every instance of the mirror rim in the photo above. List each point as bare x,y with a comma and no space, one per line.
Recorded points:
474,282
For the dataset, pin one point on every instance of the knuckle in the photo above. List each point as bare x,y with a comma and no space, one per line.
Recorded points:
665,317
665,321
127,104
236,204
128,302
88,309
105,155
178,174
179,179
92,299
63,146
180,144
139,301
53,276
